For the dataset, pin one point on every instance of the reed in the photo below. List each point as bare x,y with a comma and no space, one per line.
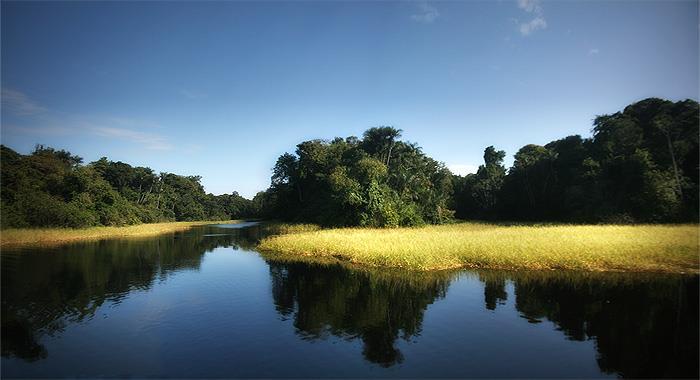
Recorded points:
642,248
52,236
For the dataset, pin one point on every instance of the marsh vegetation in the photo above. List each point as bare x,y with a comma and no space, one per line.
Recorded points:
52,236
660,248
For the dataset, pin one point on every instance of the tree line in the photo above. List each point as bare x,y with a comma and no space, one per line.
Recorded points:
639,165
52,188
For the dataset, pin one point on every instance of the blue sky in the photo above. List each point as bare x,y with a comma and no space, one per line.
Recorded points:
221,89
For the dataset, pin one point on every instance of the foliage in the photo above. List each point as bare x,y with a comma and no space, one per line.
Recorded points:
476,195
376,181
51,188
640,165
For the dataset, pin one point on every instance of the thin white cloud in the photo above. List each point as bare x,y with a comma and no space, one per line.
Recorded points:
53,123
426,13
530,6
538,21
192,94
593,51
535,24
462,169
19,103
148,140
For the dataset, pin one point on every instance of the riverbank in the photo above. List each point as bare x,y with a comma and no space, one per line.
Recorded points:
640,248
18,237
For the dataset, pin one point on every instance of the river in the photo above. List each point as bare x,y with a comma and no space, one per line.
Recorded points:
204,303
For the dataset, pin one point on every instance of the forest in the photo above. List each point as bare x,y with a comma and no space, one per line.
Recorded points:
639,165
52,188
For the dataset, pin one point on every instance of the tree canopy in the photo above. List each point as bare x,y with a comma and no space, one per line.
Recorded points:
51,188
639,165
376,181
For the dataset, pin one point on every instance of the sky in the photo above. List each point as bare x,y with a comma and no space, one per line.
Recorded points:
221,89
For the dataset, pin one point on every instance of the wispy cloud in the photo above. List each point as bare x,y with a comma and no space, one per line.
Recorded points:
593,51
530,6
538,21
535,24
45,122
19,103
425,13
148,140
462,169
41,131
192,94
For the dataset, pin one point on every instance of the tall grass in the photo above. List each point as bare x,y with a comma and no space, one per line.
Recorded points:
50,236
657,248
276,228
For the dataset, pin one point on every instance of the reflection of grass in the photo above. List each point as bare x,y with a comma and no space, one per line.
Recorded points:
662,248
575,279
52,236
391,274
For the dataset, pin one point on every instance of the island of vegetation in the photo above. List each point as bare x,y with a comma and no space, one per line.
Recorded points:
639,166
638,248
624,199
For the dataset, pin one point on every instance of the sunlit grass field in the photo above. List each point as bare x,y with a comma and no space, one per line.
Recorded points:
52,236
645,248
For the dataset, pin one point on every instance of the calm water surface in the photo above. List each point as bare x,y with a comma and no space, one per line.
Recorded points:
203,303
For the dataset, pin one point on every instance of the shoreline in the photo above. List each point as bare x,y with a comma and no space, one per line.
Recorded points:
26,237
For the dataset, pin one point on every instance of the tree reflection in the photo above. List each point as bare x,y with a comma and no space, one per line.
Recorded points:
376,307
43,290
643,325
494,291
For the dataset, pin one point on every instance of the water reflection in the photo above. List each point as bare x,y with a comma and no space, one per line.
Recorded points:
45,289
376,307
643,325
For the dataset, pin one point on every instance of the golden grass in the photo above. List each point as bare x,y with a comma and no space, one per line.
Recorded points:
18,237
642,248
285,228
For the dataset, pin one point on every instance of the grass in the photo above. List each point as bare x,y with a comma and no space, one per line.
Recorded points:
276,228
51,236
639,248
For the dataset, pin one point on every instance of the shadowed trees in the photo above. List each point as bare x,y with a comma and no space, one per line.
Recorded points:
50,188
640,165
476,195
375,181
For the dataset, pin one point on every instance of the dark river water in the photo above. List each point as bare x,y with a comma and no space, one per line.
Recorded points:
204,303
